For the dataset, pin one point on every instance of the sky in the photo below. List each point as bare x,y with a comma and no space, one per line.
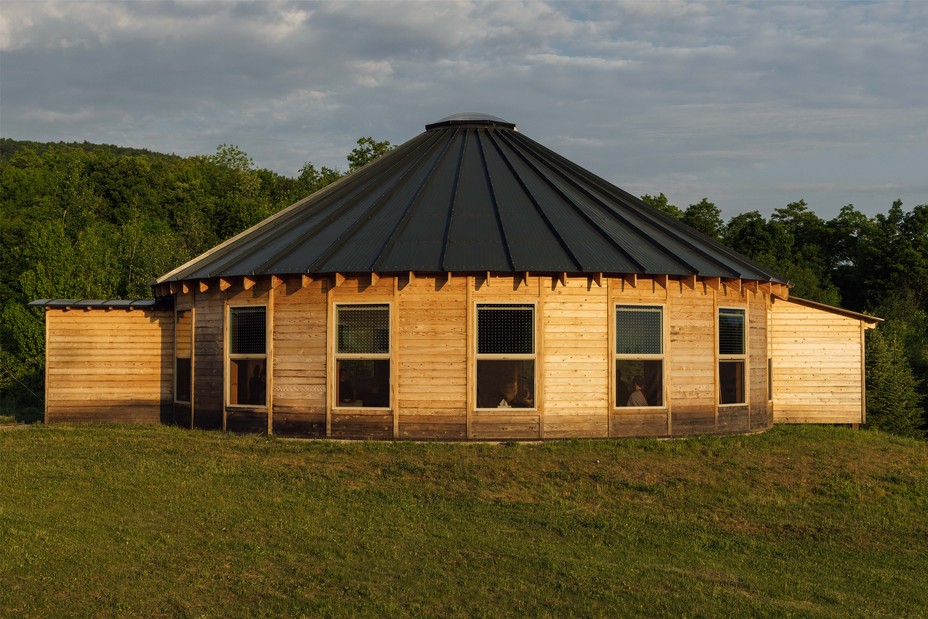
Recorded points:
750,104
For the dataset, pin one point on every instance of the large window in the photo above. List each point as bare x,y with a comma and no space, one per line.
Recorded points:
248,355
362,355
505,356
183,355
639,356
731,356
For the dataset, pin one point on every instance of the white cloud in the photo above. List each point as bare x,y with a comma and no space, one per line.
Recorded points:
712,99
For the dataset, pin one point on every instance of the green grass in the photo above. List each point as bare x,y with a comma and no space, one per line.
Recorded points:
7,420
155,521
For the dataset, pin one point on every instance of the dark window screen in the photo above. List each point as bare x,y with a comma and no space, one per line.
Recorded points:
364,329
731,332
505,329
247,332
638,330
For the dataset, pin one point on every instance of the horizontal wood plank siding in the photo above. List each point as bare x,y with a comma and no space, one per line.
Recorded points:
817,368
110,365
432,359
299,359
576,369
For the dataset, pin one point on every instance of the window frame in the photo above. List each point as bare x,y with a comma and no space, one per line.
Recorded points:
337,356
730,358
616,356
533,356
177,311
230,357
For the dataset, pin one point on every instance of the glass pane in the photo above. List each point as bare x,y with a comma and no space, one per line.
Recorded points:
639,382
505,384
182,380
363,329
247,332
731,382
183,334
638,330
505,329
364,382
731,332
247,381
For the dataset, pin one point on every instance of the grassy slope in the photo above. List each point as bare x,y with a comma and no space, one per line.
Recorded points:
159,521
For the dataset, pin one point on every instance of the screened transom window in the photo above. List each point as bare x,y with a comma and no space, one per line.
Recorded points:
505,329
248,331
363,329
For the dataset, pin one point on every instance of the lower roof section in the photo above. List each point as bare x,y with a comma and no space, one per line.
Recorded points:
97,303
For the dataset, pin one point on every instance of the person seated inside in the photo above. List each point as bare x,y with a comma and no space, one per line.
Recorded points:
513,397
345,388
637,396
376,396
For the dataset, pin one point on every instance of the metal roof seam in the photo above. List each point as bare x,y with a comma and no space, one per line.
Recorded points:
370,212
576,208
489,176
541,212
410,207
679,228
453,199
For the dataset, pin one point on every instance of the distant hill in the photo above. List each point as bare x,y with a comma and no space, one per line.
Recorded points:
9,148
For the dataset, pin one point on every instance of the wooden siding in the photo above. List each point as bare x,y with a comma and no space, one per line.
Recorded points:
299,359
691,355
817,366
109,365
576,361
208,353
432,359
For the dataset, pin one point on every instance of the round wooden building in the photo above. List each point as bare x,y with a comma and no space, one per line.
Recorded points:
473,284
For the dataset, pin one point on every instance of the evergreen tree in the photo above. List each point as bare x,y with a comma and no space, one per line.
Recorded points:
893,402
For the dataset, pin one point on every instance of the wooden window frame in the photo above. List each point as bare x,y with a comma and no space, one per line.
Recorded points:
174,394
743,357
236,357
634,357
478,356
337,356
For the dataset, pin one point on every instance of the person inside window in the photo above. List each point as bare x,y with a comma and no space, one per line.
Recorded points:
513,397
637,396
345,388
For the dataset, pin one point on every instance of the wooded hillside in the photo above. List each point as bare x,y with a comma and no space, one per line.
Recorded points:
84,220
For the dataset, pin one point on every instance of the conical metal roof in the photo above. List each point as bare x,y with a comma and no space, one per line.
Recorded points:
471,194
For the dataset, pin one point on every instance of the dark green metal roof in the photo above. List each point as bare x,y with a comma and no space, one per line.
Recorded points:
471,194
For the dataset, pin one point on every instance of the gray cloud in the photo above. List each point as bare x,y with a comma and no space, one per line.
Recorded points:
750,104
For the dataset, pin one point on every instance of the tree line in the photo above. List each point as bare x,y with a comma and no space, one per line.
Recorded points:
84,220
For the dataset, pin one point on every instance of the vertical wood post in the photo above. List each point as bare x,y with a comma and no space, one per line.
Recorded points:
269,362
470,327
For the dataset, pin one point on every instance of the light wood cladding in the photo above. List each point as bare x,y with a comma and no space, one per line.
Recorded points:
299,339
109,365
817,366
576,369
431,359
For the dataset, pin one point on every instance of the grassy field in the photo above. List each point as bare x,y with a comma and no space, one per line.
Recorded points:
155,521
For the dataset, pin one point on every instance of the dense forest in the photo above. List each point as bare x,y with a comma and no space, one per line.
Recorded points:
85,220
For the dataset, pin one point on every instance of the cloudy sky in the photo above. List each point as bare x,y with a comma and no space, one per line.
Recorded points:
751,104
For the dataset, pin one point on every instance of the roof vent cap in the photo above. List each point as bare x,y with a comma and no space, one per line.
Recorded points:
471,119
